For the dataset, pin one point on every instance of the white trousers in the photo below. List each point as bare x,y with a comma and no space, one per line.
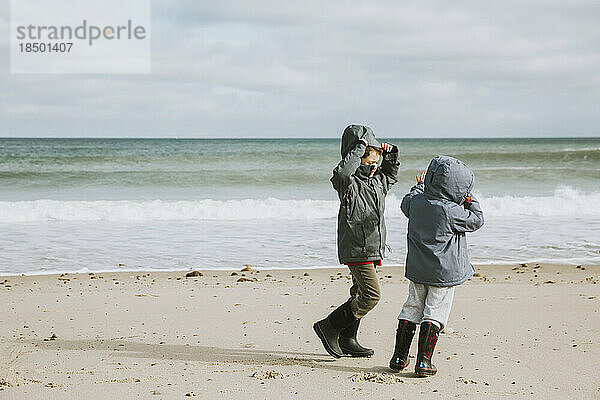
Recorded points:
427,303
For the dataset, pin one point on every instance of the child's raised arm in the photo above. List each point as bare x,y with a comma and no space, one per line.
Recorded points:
343,172
468,218
389,166
415,190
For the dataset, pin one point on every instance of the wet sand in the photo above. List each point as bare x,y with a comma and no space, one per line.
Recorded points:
514,331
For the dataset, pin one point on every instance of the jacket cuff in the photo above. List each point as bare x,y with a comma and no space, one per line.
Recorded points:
391,155
360,147
469,204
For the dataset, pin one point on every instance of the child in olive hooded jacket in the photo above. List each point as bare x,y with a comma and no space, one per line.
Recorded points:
440,210
361,235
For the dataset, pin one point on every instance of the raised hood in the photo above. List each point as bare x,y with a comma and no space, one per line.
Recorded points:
448,178
352,134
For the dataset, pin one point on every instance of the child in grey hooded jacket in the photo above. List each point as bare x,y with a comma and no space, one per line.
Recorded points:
440,210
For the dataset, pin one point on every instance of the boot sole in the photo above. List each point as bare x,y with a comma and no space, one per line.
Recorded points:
321,336
425,372
358,355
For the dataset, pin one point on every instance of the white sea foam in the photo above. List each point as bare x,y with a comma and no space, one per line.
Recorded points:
565,201
159,210
580,149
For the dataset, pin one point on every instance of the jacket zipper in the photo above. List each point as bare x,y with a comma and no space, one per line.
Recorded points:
378,218
364,235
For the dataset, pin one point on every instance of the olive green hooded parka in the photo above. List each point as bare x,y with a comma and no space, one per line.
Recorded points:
361,230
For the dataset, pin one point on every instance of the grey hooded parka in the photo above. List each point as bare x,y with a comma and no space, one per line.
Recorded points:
361,232
438,218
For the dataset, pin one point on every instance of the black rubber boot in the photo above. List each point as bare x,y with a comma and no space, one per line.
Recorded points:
428,336
404,337
328,329
350,345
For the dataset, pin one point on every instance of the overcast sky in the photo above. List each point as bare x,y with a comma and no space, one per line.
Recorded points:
306,69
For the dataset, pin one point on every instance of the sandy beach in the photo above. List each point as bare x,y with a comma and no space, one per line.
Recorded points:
515,331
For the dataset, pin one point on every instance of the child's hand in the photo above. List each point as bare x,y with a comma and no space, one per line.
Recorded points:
387,147
421,177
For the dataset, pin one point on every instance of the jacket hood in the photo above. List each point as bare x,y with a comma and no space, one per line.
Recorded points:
448,178
352,134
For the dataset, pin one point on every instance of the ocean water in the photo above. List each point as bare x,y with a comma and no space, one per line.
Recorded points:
164,204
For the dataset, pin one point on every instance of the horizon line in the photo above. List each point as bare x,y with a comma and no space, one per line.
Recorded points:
293,137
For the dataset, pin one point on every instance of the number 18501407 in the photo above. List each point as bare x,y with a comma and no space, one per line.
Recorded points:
45,47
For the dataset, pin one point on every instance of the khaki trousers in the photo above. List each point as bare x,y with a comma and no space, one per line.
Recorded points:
365,292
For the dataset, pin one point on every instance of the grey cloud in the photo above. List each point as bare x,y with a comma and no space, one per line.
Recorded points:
272,68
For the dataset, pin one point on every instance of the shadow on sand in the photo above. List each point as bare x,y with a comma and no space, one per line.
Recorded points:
210,355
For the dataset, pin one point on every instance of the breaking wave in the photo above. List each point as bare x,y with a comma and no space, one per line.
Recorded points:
565,201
